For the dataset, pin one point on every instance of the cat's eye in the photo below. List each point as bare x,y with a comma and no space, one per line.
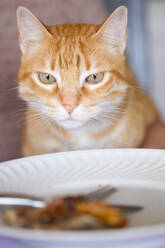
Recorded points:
94,78
46,78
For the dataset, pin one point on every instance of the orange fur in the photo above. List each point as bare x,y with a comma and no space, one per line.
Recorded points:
113,114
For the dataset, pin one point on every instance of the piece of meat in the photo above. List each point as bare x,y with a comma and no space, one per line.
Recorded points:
110,216
68,213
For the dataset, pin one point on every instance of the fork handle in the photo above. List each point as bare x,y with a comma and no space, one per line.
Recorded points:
20,200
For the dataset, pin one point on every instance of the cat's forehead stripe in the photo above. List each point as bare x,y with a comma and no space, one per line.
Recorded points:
63,61
59,60
78,61
52,65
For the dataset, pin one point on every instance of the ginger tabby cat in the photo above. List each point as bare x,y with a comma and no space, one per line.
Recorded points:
79,89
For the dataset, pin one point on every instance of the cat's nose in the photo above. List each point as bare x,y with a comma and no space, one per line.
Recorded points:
70,107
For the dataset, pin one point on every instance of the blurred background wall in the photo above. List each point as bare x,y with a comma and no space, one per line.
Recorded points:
145,50
155,13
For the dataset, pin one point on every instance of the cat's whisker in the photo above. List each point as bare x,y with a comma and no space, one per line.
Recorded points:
21,110
13,89
110,117
136,88
49,123
97,120
30,118
44,115
116,111
9,92
117,114
109,106
113,109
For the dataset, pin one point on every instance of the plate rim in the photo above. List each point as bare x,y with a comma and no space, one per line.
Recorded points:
56,154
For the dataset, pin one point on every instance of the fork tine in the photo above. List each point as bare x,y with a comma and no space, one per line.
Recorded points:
101,193
98,191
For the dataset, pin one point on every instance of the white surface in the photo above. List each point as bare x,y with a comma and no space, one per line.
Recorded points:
139,176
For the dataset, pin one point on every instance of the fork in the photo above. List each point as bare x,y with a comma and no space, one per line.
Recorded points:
36,202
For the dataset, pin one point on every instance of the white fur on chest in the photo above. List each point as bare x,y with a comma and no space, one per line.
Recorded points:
81,139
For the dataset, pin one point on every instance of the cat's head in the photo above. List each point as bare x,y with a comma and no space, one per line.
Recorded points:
72,74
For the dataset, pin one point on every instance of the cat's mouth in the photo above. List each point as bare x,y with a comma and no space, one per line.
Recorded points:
70,123
70,118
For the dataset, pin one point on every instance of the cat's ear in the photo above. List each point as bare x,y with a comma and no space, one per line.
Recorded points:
113,30
31,30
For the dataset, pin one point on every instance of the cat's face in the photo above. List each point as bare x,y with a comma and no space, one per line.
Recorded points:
72,74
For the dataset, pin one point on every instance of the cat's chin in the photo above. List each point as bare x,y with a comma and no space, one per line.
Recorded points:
70,124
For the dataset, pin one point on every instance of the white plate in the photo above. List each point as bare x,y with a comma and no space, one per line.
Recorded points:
138,174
